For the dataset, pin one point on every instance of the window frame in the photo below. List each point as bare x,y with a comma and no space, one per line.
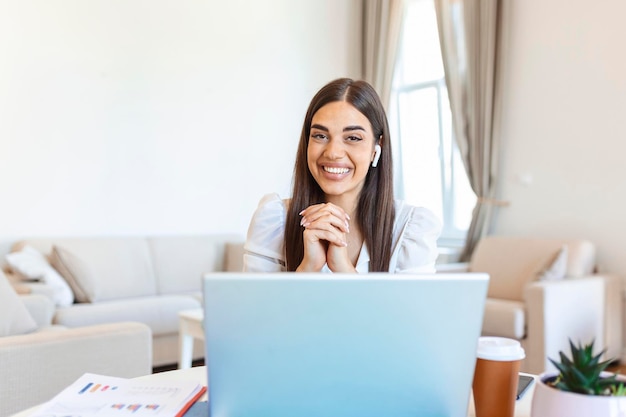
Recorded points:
451,236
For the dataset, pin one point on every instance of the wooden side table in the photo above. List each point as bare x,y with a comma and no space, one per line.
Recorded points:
190,328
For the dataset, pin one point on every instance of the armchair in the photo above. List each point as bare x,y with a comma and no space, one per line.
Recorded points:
38,365
544,292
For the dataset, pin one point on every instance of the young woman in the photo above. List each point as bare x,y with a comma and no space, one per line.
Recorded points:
342,216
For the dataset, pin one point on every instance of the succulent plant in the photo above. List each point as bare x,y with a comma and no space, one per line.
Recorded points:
582,373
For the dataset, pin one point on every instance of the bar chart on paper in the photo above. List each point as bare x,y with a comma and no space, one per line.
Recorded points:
98,395
91,387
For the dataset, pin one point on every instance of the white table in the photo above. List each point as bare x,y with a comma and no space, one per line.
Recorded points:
199,373
190,328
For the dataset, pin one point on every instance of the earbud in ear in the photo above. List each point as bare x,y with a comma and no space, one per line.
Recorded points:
377,151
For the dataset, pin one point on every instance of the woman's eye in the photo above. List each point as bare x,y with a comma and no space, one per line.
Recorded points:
320,136
353,138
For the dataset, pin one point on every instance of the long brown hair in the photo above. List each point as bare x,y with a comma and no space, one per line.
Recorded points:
375,209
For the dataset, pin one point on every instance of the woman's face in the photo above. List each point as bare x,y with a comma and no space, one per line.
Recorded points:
340,150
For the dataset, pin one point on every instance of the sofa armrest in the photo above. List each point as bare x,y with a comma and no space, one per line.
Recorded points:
452,267
613,315
558,311
37,366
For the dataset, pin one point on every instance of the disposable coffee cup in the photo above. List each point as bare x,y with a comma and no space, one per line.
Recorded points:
494,387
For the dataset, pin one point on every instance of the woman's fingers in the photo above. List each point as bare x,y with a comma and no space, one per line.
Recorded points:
319,249
325,207
325,227
316,215
321,231
328,223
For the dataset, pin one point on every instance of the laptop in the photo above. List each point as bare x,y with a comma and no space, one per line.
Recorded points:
325,345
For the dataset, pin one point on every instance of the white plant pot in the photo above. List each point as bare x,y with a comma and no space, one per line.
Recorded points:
551,402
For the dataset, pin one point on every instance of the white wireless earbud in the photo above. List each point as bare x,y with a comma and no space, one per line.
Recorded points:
377,151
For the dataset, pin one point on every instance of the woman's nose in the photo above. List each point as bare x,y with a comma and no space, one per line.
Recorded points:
334,149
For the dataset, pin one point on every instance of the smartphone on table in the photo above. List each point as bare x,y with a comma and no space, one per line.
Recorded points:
524,382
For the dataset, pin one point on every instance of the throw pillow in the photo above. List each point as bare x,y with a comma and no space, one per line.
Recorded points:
76,273
20,287
557,268
14,317
31,265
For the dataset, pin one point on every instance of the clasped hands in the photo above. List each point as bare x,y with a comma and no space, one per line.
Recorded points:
325,242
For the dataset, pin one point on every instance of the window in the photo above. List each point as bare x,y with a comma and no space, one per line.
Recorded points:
429,169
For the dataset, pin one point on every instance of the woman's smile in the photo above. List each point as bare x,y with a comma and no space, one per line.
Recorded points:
336,170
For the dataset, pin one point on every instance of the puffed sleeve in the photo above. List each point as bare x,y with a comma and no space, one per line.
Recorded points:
417,245
264,247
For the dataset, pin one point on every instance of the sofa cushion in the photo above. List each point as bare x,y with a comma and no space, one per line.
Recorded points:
234,257
557,270
21,287
159,313
40,307
513,262
76,273
101,269
504,318
32,265
181,261
14,317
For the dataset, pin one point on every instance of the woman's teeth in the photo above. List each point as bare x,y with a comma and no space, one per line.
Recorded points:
334,170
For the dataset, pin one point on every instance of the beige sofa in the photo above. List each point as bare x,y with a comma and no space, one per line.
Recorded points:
544,292
38,359
140,279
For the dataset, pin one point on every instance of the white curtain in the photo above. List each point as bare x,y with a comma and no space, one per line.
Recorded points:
382,24
470,33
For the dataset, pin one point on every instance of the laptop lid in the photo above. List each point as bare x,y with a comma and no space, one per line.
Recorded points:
287,344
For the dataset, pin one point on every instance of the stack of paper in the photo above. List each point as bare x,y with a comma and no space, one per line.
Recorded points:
99,395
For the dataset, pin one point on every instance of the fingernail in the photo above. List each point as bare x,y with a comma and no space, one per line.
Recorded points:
302,221
301,212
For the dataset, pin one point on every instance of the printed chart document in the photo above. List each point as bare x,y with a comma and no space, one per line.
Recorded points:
104,396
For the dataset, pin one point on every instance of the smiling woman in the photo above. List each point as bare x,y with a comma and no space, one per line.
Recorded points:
342,216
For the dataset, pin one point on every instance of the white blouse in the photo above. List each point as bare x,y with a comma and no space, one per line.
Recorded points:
414,245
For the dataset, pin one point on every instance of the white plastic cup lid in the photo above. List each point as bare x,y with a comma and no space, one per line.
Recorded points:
499,349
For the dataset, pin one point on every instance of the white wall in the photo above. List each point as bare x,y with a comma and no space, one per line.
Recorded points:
564,125
155,116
